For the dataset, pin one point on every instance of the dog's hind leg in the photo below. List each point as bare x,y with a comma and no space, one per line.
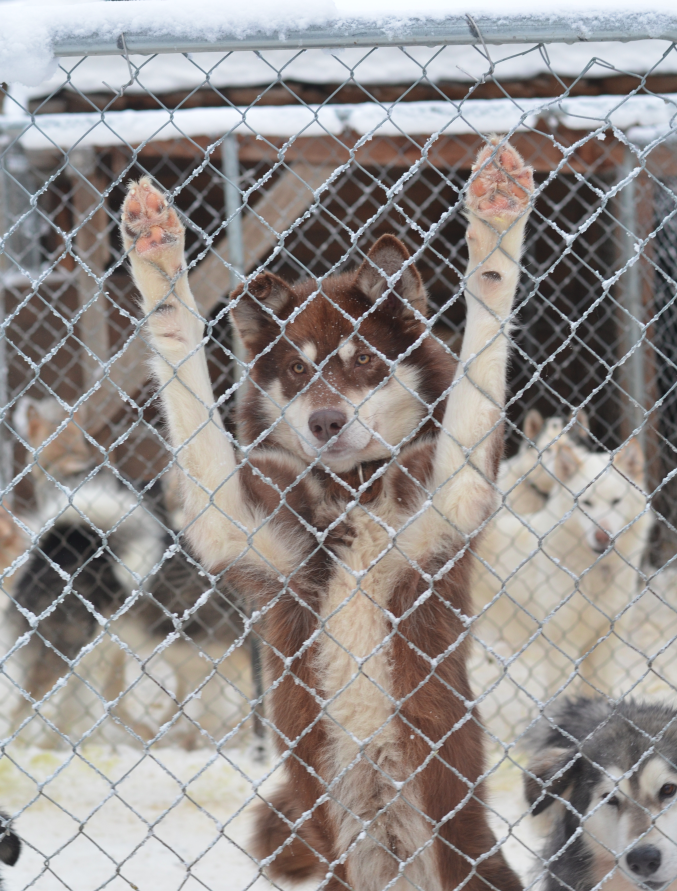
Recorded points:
289,854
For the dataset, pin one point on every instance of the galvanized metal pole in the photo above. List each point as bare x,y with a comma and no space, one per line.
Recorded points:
230,166
6,473
15,108
105,36
630,298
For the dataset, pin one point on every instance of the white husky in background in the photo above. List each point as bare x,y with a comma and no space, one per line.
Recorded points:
647,632
550,586
526,480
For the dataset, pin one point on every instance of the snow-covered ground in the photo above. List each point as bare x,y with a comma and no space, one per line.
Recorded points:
170,819
121,819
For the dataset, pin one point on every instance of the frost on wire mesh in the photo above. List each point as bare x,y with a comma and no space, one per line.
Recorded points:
136,723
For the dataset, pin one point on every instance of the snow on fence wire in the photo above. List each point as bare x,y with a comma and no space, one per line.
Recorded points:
135,720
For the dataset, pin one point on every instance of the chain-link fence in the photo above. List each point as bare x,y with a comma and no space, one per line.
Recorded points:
159,683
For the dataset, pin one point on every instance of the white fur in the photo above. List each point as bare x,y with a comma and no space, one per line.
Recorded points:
463,491
548,599
525,480
347,350
107,506
647,638
639,819
354,662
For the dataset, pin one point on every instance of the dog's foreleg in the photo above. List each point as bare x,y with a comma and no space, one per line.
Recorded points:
498,204
153,237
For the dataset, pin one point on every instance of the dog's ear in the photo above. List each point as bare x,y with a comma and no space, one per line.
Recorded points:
630,460
386,258
582,426
548,776
567,462
251,305
533,424
36,419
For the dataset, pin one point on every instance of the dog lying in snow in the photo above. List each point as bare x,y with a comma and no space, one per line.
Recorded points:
606,777
553,586
364,469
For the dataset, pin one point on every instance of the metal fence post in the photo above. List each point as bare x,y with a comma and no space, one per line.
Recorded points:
630,299
230,165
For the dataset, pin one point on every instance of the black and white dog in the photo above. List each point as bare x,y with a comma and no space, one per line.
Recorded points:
97,543
607,775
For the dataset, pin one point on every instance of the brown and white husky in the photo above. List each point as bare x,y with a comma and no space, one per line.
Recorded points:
363,472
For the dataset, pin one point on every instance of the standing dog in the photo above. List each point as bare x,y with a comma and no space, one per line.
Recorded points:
365,468
552,585
607,775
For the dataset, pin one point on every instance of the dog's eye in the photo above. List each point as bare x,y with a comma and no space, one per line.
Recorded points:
615,502
363,359
298,368
668,790
586,503
613,801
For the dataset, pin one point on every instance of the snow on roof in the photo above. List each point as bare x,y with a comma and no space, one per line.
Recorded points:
30,33
67,131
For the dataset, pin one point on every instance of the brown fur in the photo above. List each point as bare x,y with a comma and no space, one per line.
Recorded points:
433,701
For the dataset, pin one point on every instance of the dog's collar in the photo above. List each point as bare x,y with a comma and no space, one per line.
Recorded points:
356,478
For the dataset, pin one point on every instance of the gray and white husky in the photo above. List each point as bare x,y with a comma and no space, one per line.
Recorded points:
607,775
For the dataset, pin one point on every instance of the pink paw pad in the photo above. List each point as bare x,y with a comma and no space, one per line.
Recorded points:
500,186
148,219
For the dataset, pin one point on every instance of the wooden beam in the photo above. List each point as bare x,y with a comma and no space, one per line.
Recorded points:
538,147
287,200
91,241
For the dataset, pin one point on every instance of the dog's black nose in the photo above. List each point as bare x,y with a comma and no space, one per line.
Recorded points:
644,860
326,422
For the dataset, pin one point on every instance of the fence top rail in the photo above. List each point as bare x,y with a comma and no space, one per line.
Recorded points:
450,30
29,43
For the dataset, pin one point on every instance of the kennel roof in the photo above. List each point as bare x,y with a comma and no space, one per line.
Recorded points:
388,65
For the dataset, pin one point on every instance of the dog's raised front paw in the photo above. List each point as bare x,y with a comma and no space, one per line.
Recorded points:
500,188
151,226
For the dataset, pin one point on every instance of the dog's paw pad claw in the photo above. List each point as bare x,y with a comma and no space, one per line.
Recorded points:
149,220
501,183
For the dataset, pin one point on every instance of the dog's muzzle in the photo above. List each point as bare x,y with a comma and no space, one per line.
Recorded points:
643,862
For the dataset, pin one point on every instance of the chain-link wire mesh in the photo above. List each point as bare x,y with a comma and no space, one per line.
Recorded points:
143,691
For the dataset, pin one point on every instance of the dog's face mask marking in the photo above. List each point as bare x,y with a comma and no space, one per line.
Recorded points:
327,374
618,785
632,821
609,494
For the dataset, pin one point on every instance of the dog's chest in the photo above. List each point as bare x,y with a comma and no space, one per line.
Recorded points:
354,650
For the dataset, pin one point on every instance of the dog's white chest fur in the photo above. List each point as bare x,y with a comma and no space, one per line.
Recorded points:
354,653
